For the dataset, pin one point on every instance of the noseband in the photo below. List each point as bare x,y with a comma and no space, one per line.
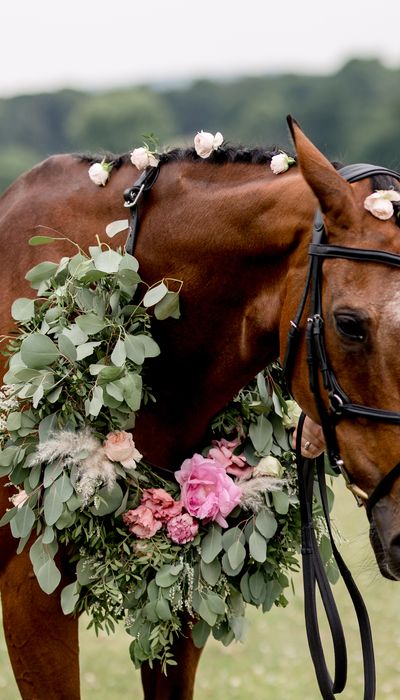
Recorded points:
340,406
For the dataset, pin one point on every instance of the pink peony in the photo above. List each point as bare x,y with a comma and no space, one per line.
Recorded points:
141,522
161,504
182,528
207,492
222,452
119,447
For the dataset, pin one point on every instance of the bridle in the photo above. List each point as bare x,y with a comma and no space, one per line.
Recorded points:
340,406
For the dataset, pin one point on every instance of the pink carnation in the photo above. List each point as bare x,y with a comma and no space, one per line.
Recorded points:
141,522
207,492
161,504
222,452
182,528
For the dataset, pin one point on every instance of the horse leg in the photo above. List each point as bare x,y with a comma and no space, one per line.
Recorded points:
42,642
178,684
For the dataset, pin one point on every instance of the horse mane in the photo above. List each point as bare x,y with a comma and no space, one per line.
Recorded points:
226,154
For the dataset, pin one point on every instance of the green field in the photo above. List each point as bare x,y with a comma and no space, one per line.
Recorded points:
274,663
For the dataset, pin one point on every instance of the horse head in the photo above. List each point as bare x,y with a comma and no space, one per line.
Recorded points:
353,328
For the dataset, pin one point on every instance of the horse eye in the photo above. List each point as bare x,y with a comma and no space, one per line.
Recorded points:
350,327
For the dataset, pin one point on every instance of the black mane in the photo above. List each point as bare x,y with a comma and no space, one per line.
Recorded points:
226,154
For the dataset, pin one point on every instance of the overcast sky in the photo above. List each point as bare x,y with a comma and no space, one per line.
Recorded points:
47,44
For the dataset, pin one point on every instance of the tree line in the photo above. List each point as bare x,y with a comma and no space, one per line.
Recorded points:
351,115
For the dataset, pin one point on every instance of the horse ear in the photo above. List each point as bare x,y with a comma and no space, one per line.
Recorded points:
333,192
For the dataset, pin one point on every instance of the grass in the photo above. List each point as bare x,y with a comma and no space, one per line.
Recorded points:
274,663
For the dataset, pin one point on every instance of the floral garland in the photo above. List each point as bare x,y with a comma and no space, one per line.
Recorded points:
158,554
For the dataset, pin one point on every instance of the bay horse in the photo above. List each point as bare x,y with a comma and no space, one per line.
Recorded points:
238,237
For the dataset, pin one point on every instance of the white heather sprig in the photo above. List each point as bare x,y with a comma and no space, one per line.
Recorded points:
379,203
205,143
281,162
99,173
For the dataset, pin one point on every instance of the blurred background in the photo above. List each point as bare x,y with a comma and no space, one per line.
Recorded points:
96,76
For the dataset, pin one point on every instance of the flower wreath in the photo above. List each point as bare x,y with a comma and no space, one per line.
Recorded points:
158,554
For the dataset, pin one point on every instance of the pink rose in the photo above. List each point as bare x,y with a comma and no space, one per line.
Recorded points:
161,504
379,203
182,528
222,452
142,158
207,492
99,173
119,447
141,522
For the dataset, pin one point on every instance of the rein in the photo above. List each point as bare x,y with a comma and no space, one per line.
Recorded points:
339,406
132,197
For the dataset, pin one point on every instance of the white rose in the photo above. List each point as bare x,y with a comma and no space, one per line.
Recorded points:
379,204
141,158
280,163
18,499
268,466
99,173
205,143
291,418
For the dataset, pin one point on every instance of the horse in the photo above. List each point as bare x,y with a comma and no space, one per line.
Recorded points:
238,236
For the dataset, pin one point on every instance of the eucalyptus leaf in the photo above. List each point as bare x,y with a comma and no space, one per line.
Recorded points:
258,547
48,576
41,240
155,294
86,349
236,554
281,502
167,306
53,506
200,633
23,309
38,351
211,545
23,521
41,272
118,355
266,523
116,227
90,323
261,434
108,261
69,597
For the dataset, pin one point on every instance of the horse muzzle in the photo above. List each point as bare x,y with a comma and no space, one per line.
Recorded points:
385,537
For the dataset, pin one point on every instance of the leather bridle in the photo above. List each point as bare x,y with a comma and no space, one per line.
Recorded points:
340,405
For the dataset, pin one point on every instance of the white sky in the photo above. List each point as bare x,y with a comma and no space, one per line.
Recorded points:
47,44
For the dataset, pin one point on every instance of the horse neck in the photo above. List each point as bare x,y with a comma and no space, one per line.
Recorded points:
230,234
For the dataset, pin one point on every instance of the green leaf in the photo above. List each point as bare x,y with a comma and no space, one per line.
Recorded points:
257,587
23,309
261,434
96,401
210,572
155,294
134,349
14,420
41,240
67,348
7,456
107,261
40,273
236,554
167,575
211,545
132,390
281,502
23,521
48,535
75,334
200,633
163,611
273,590
85,572
168,306
110,500
53,506
38,351
258,547
69,597
232,535
151,349
118,355
37,396
86,349
206,613
216,603
90,323
8,516
48,577
266,523
46,426
228,568
63,487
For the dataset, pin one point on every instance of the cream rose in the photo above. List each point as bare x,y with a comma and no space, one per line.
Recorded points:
99,173
379,204
291,418
280,163
142,158
120,447
205,143
268,466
